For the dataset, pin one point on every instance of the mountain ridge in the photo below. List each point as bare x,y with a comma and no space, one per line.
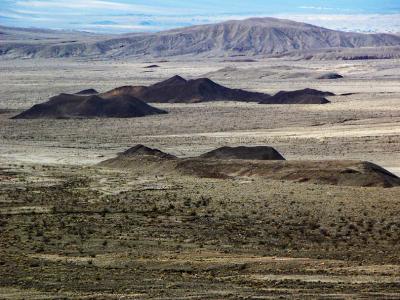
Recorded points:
249,37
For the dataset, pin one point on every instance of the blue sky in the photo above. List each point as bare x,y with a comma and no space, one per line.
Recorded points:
153,15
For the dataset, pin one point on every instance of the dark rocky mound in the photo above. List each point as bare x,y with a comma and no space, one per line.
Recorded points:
261,162
87,92
340,173
173,81
242,152
179,90
129,90
91,106
140,150
149,161
240,60
151,66
330,76
306,96
197,90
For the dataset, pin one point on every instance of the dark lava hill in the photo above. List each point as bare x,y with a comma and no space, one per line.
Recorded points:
141,150
179,90
256,162
89,106
243,152
87,92
330,76
305,96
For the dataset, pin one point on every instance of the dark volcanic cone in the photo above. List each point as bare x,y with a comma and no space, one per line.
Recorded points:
306,96
330,76
145,159
151,66
173,81
134,91
87,92
261,162
179,90
94,106
141,150
242,152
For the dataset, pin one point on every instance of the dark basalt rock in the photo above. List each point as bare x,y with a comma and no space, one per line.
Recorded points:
242,152
330,76
179,90
87,92
90,106
305,96
141,150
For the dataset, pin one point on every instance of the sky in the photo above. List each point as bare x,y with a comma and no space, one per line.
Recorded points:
120,16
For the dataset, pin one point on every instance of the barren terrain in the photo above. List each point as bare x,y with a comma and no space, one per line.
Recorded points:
364,125
72,229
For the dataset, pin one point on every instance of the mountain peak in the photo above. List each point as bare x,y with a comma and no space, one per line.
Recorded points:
174,80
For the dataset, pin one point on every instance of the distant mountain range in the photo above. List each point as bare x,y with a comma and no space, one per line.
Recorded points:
251,37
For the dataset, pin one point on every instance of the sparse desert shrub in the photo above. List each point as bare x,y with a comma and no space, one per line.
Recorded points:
39,249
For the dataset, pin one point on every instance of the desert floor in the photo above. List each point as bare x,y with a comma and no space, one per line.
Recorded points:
364,125
70,229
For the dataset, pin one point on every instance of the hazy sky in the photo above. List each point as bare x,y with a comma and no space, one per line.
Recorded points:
154,15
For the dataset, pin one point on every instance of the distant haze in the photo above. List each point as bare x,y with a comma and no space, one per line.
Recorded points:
122,16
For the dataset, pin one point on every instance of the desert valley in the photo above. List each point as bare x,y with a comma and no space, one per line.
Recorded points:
204,169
